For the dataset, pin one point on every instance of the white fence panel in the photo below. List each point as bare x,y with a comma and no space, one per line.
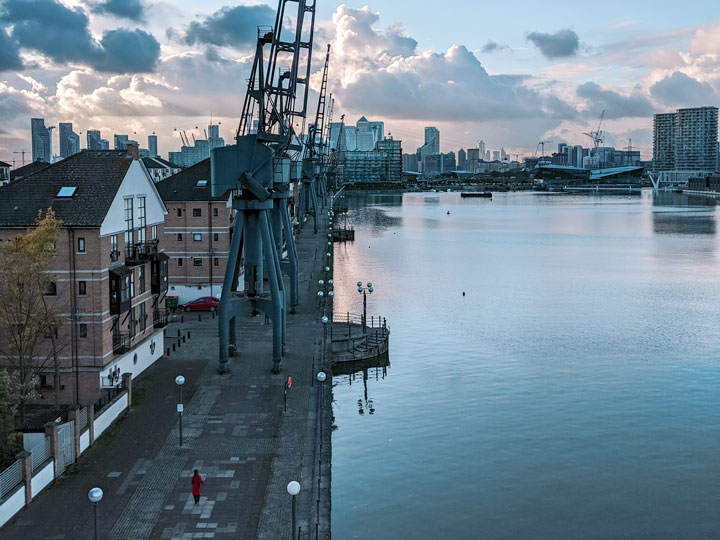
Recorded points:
103,421
12,506
84,440
42,478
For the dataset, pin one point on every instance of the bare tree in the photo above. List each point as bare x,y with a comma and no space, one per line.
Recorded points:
29,322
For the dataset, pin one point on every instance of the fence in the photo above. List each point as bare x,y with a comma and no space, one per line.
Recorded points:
40,453
83,418
10,478
108,396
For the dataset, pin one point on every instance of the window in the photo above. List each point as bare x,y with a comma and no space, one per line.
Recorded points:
143,317
216,262
197,212
114,253
131,322
141,220
179,237
215,212
201,183
82,329
180,263
128,222
82,288
81,245
51,331
154,232
197,261
197,237
66,192
51,289
132,284
124,289
179,212
141,278
216,237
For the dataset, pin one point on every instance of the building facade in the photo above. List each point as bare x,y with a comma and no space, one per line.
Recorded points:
152,146
160,169
41,140
95,141
4,173
69,140
190,155
109,273
686,140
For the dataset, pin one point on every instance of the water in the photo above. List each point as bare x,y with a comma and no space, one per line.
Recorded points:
573,392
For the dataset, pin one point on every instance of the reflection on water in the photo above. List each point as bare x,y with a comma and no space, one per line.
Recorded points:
555,369
352,373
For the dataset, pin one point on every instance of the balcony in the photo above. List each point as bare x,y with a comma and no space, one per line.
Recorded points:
120,300
159,274
136,254
121,342
160,318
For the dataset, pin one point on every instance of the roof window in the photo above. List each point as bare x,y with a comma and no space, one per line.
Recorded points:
201,183
67,191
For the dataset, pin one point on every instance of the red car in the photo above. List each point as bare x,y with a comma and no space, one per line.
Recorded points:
206,303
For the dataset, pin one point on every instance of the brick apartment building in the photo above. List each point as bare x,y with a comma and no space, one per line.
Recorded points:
196,235
110,274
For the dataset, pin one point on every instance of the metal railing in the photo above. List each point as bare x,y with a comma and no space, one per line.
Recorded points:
10,478
160,318
121,342
40,453
140,252
83,418
108,396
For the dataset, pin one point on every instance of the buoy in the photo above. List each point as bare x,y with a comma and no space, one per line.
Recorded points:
448,212
463,293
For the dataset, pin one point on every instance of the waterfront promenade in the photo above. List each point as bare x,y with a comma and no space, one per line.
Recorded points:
235,431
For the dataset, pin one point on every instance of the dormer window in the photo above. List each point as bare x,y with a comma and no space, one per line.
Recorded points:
66,192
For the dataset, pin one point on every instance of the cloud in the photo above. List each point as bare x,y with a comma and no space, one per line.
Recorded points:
62,34
230,26
491,47
680,89
616,105
124,9
9,55
558,45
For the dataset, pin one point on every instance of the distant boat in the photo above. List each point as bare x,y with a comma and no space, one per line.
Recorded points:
483,194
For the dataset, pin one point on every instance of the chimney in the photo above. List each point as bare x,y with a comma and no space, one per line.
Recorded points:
132,151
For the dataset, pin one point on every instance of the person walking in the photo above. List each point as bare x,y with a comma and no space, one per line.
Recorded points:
197,483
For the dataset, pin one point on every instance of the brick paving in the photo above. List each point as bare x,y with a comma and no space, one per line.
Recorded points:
235,431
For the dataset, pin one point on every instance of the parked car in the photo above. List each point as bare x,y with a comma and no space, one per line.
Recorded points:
206,303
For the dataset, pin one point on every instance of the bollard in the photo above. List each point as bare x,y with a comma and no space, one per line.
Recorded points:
182,318
178,332
173,347
179,342
168,351
188,334
199,317
183,339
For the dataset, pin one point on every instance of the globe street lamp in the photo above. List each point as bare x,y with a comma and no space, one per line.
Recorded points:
180,380
293,488
364,291
321,376
95,495
325,322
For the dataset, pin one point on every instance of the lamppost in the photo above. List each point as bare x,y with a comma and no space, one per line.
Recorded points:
325,322
364,291
293,488
180,380
95,495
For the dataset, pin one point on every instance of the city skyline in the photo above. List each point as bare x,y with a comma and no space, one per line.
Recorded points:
511,82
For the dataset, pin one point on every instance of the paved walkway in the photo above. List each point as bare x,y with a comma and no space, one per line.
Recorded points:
235,431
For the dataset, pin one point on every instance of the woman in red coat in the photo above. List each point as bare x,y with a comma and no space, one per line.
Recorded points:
197,483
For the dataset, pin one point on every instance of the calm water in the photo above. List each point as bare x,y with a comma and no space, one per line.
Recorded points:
574,392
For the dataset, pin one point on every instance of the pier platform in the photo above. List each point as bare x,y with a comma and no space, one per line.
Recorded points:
353,341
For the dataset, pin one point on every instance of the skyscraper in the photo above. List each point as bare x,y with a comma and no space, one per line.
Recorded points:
152,145
432,140
686,140
41,140
664,142
462,159
121,142
69,140
95,141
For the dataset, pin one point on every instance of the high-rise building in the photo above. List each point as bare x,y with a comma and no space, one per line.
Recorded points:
69,140
475,154
120,142
152,146
686,140
432,140
41,140
190,155
95,141
462,160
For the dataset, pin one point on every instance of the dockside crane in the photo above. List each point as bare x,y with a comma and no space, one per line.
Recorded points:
542,144
257,170
597,136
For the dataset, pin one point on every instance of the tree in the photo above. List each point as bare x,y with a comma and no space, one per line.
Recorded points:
28,320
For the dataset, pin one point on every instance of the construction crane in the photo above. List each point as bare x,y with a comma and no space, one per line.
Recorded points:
597,136
542,144
257,171
311,169
22,153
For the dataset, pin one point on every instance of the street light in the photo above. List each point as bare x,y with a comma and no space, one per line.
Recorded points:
95,495
321,376
293,488
325,322
180,380
364,291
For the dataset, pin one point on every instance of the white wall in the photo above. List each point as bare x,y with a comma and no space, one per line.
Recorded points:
42,478
12,505
84,441
103,421
187,293
148,352
136,182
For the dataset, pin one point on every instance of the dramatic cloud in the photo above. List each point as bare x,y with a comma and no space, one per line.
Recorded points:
9,56
230,26
62,34
124,9
680,89
615,105
558,45
491,46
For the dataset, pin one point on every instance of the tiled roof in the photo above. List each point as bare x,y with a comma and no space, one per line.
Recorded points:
183,186
159,163
96,175
3,164
25,170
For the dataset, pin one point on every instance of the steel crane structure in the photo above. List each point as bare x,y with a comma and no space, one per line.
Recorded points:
257,170
312,186
597,136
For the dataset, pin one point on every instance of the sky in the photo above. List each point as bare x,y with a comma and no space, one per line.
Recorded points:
508,73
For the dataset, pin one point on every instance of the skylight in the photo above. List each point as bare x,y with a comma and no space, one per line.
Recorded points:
201,183
67,191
